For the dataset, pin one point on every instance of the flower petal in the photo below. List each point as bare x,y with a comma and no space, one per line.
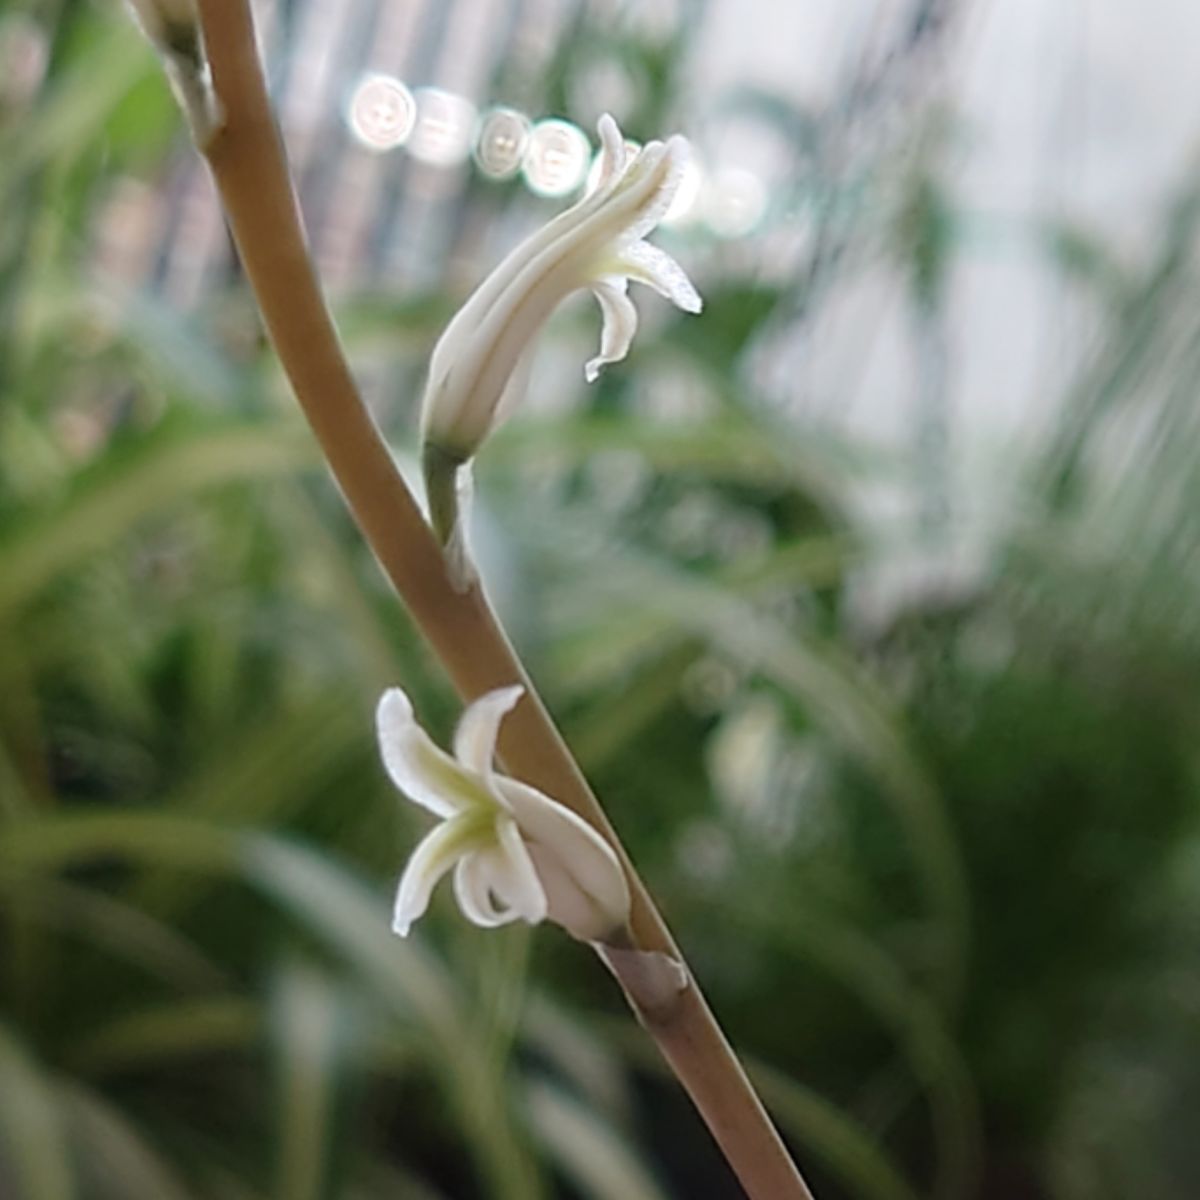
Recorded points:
438,851
660,195
516,387
513,877
472,889
620,324
583,880
425,773
613,154
567,904
650,265
498,884
475,737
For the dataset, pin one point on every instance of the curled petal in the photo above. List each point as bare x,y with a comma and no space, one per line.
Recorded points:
436,854
475,737
612,151
656,268
620,323
656,199
421,770
584,883
497,884
512,875
473,891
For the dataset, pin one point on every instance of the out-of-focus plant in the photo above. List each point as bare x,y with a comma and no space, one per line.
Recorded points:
198,992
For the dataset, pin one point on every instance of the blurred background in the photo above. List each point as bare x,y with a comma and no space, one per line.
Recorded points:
868,600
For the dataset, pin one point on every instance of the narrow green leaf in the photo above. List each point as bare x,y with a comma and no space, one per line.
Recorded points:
838,696
167,1032
598,1163
114,1156
34,1154
314,1034
161,470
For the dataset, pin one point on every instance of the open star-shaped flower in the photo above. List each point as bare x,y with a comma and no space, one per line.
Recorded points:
516,854
476,372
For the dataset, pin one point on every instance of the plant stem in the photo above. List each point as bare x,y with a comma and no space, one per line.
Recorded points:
249,166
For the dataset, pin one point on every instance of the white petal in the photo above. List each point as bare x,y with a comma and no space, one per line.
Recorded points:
586,889
567,904
468,370
512,875
472,889
475,737
650,265
498,884
422,771
620,324
433,857
516,387
612,151
658,199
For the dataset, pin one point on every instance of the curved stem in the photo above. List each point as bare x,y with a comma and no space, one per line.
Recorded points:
247,160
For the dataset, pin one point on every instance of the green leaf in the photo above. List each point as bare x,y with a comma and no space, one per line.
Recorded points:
167,1032
160,470
34,1155
837,696
819,1126
598,1163
315,1033
116,1159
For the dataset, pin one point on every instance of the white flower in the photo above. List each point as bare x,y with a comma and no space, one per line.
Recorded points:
477,369
516,853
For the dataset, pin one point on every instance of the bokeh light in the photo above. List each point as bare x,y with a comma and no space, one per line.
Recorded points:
24,56
735,201
381,112
500,142
556,160
445,122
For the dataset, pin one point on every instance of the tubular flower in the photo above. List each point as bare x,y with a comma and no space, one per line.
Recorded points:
479,366
516,854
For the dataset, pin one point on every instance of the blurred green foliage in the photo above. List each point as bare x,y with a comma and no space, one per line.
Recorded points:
939,874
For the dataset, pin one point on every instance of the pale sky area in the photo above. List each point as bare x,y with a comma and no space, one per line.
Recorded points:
1083,110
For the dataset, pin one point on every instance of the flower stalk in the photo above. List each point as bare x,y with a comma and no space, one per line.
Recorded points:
247,161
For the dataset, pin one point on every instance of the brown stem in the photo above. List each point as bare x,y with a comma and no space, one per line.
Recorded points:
247,160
